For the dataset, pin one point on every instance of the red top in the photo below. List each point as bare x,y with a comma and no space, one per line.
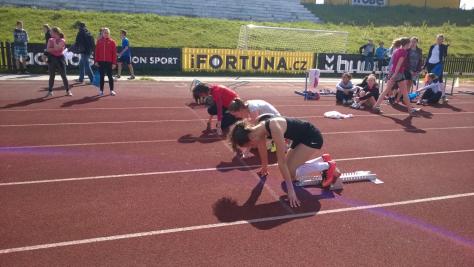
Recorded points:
222,96
399,53
106,50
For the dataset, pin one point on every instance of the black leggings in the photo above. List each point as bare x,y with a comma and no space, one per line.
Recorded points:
106,67
431,96
340,96
58,63
227,118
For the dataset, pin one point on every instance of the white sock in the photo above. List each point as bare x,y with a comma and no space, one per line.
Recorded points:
311,167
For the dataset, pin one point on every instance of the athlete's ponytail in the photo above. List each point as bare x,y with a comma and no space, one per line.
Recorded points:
237,105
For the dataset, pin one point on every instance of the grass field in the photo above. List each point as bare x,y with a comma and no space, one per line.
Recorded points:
147,30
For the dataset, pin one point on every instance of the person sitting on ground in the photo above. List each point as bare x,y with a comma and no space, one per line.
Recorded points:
222,96
344,90
432,91
294,163
369,94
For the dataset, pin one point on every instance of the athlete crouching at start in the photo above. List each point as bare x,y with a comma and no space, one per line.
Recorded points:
298,161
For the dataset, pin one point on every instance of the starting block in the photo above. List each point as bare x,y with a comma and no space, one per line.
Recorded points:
346,177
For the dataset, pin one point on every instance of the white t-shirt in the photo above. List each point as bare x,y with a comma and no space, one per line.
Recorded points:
262,107
434,55
435,86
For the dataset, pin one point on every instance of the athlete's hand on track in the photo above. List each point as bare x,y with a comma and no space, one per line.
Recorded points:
293,199
263,172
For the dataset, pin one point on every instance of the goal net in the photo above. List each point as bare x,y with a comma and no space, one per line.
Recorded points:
253,37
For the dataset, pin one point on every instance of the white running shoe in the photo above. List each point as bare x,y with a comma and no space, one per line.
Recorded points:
355,105
112,93
50,93
68,93
101,93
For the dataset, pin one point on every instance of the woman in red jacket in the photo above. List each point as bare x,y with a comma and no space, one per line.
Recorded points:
106,59
222,97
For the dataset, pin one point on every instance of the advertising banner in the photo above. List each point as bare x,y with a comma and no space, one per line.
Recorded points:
143,58
376,3
215,60
340,63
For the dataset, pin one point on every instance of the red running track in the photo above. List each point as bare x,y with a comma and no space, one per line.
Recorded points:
132,180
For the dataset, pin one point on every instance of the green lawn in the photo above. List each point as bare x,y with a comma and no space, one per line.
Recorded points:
146,30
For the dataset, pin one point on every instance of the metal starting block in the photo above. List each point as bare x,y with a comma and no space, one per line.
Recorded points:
346,177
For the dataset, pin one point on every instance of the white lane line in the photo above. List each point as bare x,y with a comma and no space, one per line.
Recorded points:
135,108
401,130
200,120
221,225
98,122
86,109
213,169
216,138
3,109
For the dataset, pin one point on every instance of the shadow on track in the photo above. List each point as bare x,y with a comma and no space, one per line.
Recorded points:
227,209
206,137
28,102
84,100
245,164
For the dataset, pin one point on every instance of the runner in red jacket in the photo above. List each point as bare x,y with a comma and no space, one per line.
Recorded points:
222,97
106,59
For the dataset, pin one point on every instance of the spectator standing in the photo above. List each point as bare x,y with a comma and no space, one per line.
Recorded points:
99,36
56,60
47,36
381,56
125,56
47,33
414,62
368,51
106,59
84,45
20,52
434,62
